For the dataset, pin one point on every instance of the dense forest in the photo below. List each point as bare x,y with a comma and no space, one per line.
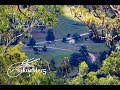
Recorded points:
75,44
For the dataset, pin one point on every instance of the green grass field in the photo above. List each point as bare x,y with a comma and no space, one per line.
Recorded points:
57,55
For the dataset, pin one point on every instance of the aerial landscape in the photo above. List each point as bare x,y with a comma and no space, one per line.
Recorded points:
59,44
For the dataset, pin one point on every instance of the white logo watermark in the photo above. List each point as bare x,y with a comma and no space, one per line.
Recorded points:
23,67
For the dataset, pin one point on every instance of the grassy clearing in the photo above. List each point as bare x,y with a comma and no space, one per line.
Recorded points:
66,24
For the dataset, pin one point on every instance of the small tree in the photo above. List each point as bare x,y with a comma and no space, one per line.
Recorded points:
83,68
66,66
32,42
44,48
50,35
68,35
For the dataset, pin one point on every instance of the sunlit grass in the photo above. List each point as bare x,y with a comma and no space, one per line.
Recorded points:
68,14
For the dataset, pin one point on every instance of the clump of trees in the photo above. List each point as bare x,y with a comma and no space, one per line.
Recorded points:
108,74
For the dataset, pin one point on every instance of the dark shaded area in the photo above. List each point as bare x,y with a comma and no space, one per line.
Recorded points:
59,72
117,38
101,75
75,59
92,67
24,6
114,32
52,62
98,40
115,73
52,65
36,50
110,51
90,34
11,20
79,24
103,56
15,42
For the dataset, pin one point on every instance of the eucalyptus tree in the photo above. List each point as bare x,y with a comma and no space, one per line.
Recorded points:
95,17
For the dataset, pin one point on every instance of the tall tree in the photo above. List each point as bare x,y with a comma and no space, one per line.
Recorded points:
50,35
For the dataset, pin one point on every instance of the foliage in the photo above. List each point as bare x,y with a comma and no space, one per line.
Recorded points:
109,80
13,55
83,69
76,81
91,79
111,64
